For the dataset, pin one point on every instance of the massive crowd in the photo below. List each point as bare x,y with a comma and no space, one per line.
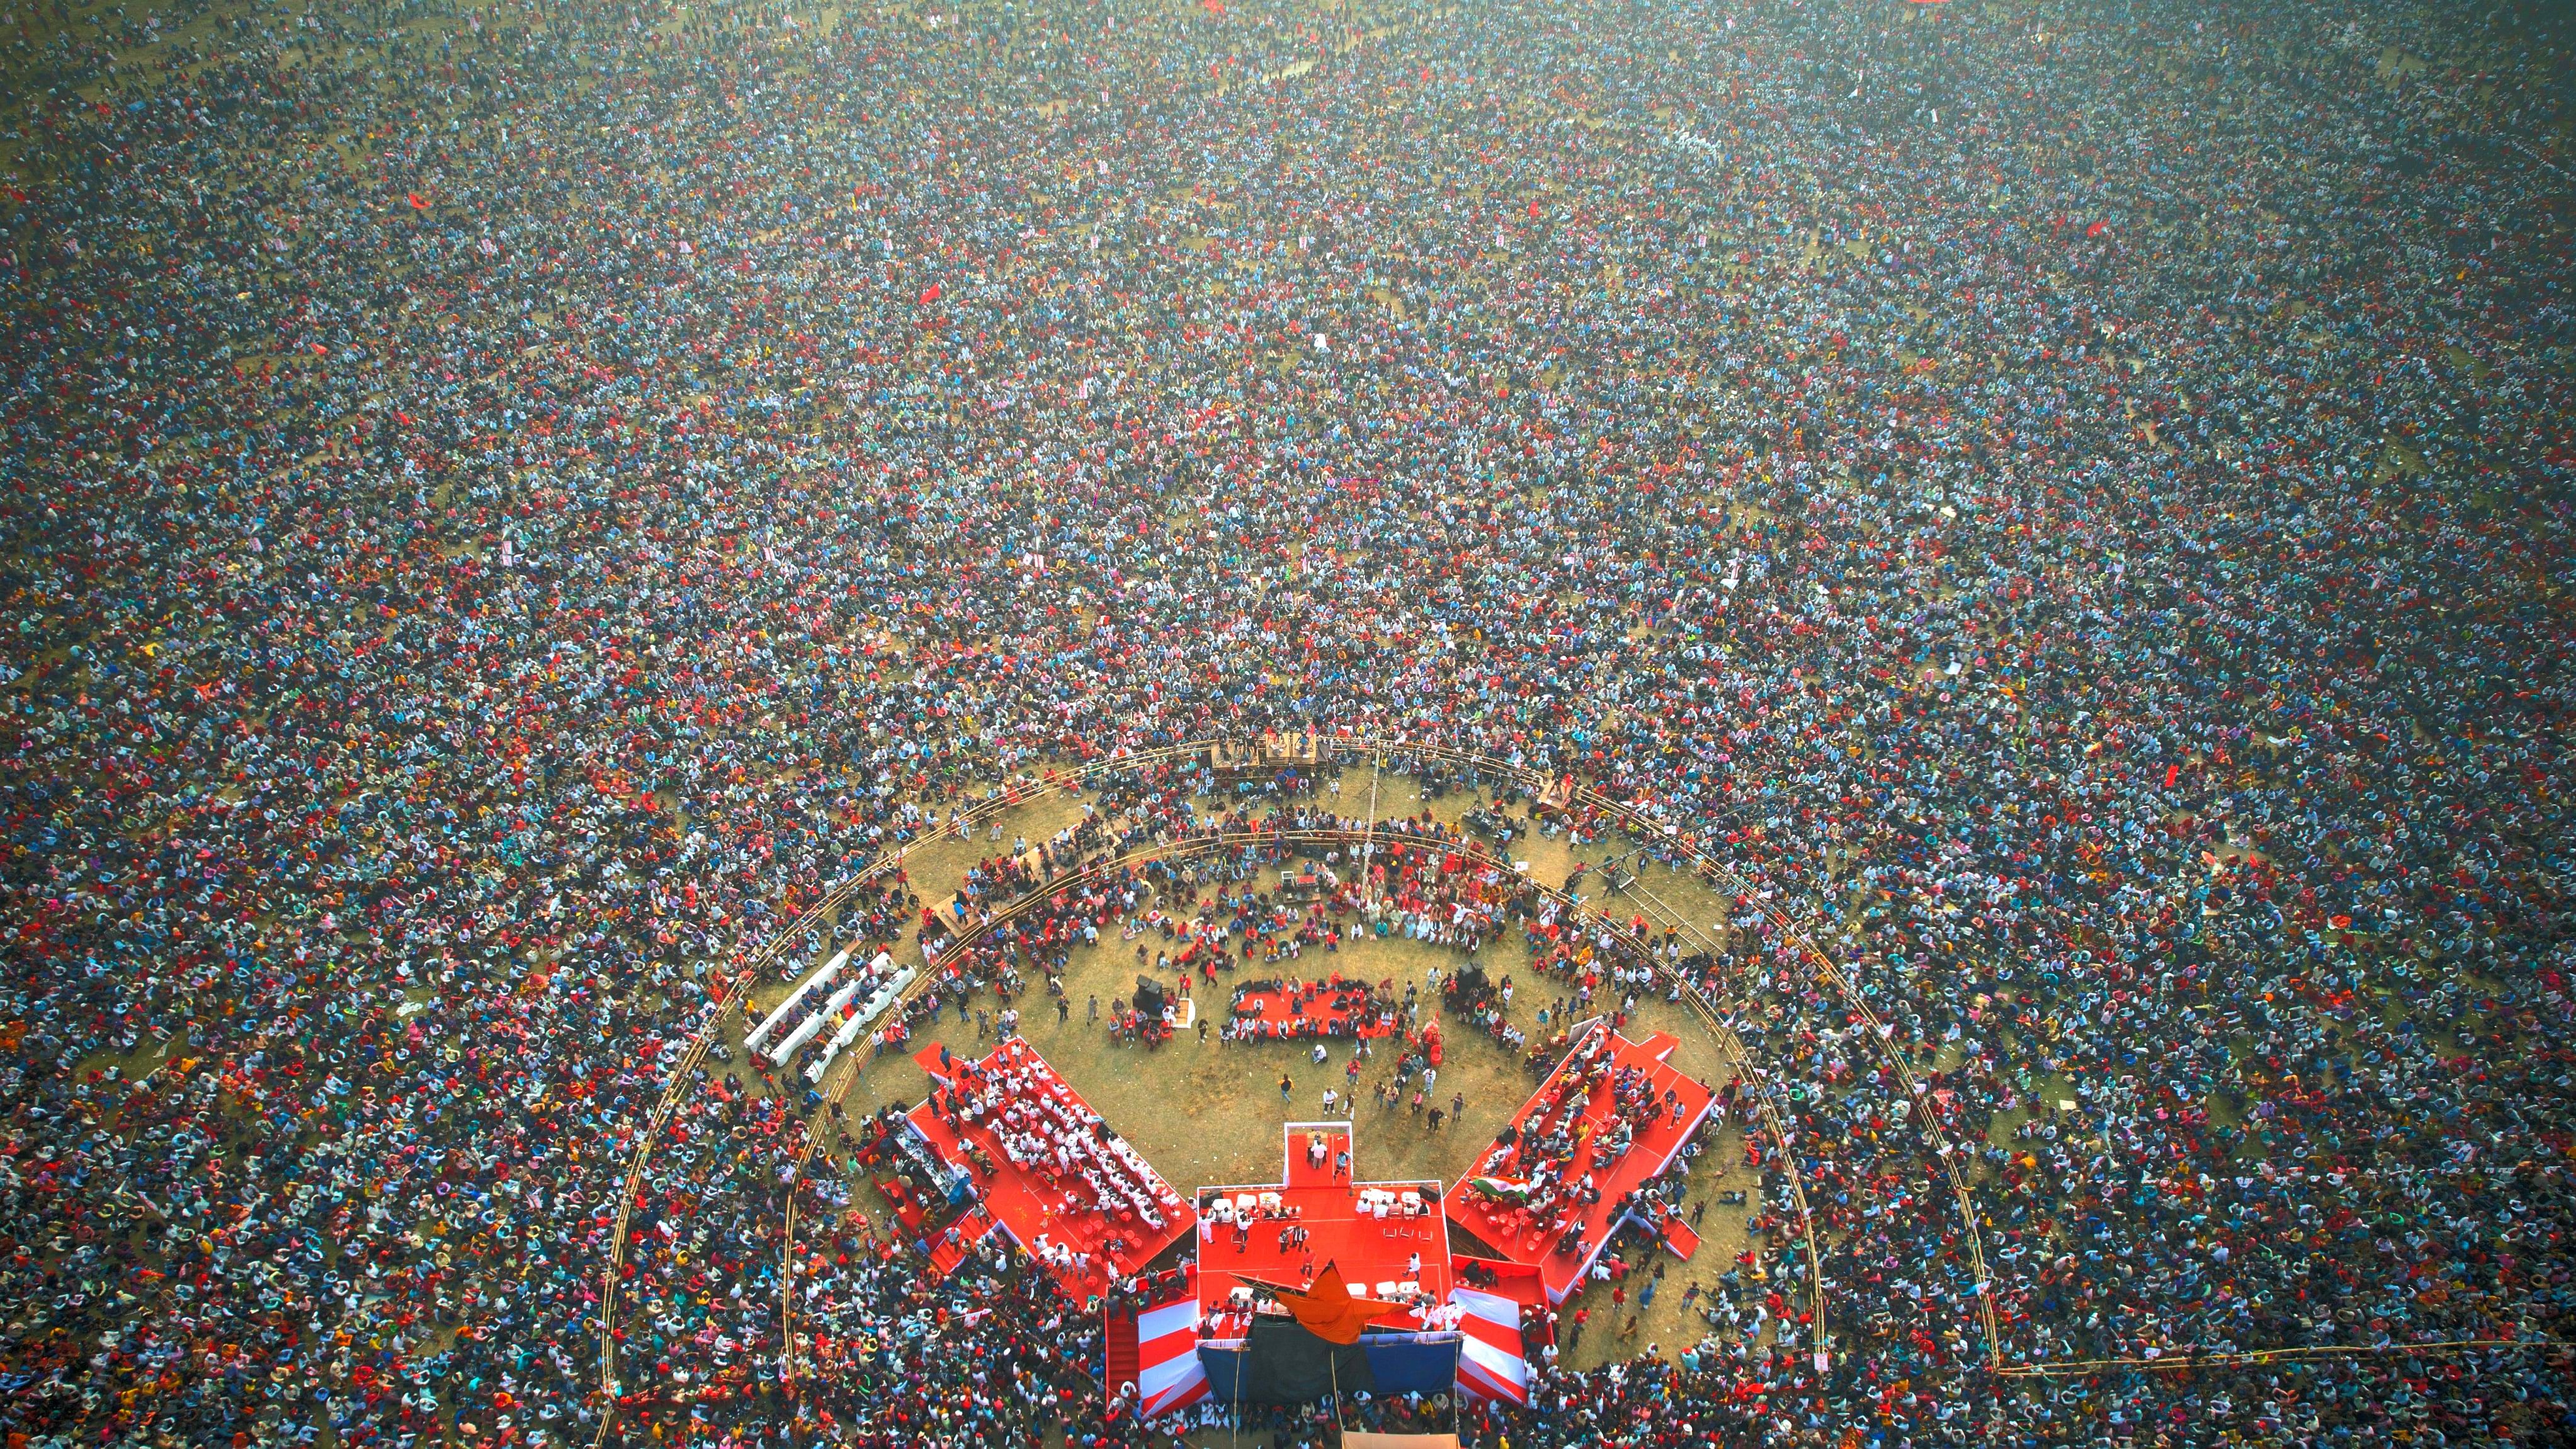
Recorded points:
507,502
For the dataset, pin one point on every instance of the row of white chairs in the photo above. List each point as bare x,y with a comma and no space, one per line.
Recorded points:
1385,1291
820,979
1247,1206
885,997
878,978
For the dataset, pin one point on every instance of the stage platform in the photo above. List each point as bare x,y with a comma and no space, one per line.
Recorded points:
1343,1227
1579,1106
1052,1198
1335,1008
1518,1282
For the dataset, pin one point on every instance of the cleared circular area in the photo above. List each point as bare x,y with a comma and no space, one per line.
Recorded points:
1220,912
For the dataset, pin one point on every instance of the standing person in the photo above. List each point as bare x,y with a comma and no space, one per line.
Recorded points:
1285,1087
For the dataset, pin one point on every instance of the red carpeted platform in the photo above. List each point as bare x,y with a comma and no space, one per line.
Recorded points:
1083,1201
1519,1282
1289,1011
906,1203
1679,1237
1369,1229
1529,1200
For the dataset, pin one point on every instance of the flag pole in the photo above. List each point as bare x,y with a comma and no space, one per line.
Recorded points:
1335,1362
1368,846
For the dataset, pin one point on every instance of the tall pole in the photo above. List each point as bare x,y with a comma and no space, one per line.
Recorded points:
1368,836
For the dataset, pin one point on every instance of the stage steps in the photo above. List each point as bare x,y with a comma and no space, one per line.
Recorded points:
1679,1237
1119,1335
971,1229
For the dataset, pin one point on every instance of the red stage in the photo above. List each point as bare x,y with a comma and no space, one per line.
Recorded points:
1049,1174
1579,1107
1333,1007
1343,1226
1519,1282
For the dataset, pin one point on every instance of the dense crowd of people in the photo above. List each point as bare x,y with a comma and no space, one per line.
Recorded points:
508,503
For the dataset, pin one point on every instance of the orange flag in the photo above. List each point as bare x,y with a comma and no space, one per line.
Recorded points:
1328,1310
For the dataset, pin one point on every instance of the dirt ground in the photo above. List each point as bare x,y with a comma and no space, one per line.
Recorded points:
1209,1112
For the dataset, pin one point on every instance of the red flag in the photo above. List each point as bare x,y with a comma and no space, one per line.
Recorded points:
416,203
2097,228
1328,1311
930,294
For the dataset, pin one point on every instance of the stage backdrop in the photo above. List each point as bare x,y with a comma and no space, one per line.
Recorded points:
1281,1363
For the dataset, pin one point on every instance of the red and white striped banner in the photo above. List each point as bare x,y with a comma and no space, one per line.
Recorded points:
1490,1362
1168,1375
